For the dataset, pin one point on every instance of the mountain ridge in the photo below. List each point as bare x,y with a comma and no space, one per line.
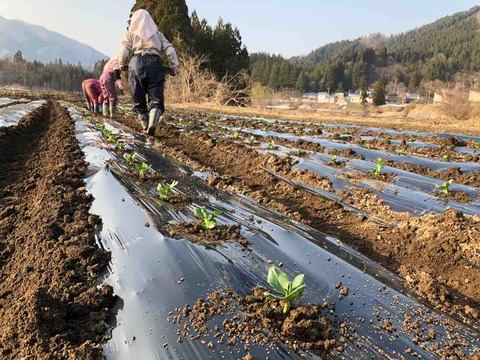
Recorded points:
41,44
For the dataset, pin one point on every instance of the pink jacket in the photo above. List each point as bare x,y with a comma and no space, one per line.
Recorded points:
111,65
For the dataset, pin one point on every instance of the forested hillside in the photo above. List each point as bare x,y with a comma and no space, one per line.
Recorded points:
438,51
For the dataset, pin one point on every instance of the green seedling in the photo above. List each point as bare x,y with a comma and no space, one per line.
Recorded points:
444,158
209,220
112,139
333,160
236,135
107,132
130,159
101,127
298,151
445,186
291,290
251,139
299,132
120,145
400,152
142,169
380,164
165,191
477,145
271,145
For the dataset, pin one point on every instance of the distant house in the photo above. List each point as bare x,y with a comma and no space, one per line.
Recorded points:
474,96
355,99
437,98
392,99
325,98
313,97
411,98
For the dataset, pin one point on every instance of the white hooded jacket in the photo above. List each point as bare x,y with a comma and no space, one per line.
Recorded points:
143,38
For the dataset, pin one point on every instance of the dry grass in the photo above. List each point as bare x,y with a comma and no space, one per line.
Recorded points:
195,84
456,104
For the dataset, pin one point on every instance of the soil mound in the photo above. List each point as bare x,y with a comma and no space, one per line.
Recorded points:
254,319
50,305
196,234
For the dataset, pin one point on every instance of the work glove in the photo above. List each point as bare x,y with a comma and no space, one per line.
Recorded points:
119,84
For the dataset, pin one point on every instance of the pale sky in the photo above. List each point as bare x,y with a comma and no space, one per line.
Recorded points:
283,27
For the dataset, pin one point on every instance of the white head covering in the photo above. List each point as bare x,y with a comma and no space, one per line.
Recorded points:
143,25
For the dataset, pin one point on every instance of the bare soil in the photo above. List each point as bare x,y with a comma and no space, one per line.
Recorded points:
196,234
262,322
50,304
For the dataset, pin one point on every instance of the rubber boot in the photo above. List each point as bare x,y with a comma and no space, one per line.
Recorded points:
113,111
96,109
105,110
143,117
154,118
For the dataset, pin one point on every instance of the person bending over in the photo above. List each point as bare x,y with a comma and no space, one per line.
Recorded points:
108,79
92,90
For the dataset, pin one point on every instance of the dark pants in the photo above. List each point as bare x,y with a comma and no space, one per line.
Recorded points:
146,77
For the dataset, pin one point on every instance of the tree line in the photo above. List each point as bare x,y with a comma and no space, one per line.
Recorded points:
52,76
438,51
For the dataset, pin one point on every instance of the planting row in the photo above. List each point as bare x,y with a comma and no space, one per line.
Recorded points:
436,254
177,243
393,186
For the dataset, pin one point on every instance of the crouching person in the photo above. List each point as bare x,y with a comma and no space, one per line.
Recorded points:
146,71
111,77
92,90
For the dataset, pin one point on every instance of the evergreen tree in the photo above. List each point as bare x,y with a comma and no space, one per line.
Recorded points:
202,35
379,97
18,57
301,81
171,17
229,56
329,79
274,82
363,92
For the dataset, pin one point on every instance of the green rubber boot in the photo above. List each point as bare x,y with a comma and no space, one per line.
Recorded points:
106,110
113,111
154,118
143,117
